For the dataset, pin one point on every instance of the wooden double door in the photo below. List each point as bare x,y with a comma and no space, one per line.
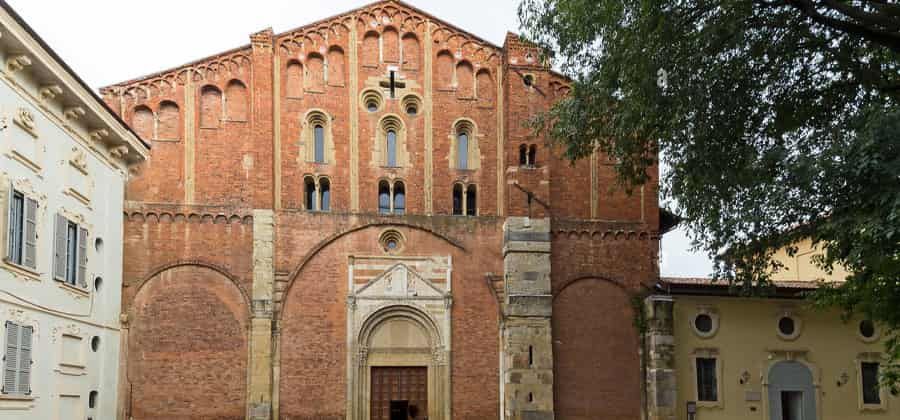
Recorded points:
399,393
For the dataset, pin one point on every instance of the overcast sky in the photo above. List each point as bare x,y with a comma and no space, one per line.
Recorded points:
108,41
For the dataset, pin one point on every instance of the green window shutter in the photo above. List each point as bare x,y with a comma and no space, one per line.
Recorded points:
59,248
10,359
24,385
30,252
82,257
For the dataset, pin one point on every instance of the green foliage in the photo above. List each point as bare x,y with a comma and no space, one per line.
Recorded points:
777,121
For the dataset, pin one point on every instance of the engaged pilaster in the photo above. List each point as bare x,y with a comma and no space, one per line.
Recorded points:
259,391
527,352
660,348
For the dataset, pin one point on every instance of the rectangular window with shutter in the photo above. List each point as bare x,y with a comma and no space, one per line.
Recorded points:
70,252
17,359
870,389
21,245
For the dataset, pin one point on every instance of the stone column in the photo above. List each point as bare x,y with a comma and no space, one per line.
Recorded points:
259,385
526,365
659,340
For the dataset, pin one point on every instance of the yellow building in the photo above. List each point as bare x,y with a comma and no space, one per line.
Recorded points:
710,354
802,267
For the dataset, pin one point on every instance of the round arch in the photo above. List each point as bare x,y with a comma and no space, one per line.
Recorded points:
318,248
196,263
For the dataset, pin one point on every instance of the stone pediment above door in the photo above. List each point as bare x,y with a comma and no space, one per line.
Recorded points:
400,278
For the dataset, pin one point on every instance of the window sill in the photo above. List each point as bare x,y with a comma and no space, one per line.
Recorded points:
209,128
167,140
709,404
236,121
72,288
16,397
22,270
337,85
873,407
314,91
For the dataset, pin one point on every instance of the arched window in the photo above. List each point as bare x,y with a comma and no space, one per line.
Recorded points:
410,51
309,186
294,88
319,138
462,150
471,201
390,45
236,101
315,72
169,121
324,194
457,199
142,121
532,155
399,198
392,148
523,155
336,66
384,197
210,107
465,81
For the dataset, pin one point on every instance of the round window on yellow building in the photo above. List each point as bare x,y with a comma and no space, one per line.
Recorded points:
705,322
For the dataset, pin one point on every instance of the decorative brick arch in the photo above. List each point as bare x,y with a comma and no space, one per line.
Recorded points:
186,335
591,326
295,274
197,263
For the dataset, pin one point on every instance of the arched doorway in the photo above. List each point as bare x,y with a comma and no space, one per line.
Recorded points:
400,368
792,393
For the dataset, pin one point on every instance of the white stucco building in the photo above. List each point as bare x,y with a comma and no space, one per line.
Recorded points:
64,160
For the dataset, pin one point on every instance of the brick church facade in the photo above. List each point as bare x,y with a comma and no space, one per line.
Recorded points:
351,219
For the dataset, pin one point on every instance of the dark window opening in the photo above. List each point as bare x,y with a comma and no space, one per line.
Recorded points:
71,253
372,106
325,194
707,388
399,198
92,399
392,148
319,133
703,323
531,356
867,328
471,202
870,389
462,151
786,326
310,193
16,228
523,155
457,200
791,405
384,197
532,155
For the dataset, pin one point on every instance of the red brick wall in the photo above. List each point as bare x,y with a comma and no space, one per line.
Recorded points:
187,347
234,172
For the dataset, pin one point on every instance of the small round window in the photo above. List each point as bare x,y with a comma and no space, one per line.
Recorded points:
788,327
391,241
867,331
95,343
372,106
705,323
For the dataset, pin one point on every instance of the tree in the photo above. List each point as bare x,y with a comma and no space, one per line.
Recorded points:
778,121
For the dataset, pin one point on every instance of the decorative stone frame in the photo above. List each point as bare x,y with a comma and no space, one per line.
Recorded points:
379,150
312,118
798,325
411,101
371,95
713,314
392,184
869,357
24,186
464,202
430,310
799,356
707,353
25,318
467,126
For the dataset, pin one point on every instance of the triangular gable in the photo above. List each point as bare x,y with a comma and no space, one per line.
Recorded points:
400,280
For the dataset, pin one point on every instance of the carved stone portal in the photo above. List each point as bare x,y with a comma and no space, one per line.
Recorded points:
398,315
